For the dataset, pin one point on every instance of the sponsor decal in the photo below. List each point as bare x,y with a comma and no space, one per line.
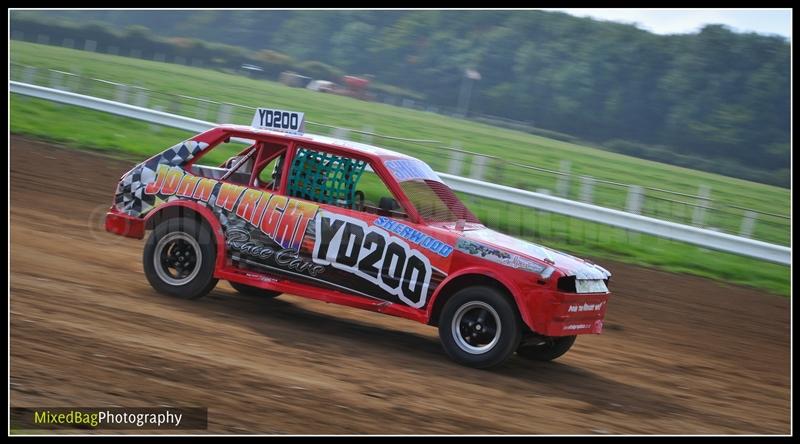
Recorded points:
526,264
528,248
411,169
577,326
585,307
239,240
260,277
282,219
130,198
475,249
270,231
502,257
372,254
418,237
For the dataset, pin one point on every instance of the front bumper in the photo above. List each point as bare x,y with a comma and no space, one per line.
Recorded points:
124,225
574,314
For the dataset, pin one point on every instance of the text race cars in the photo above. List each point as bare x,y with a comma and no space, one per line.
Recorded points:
351,224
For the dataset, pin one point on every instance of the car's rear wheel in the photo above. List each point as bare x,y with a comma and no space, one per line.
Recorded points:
254,291
479,327
179,258
546,348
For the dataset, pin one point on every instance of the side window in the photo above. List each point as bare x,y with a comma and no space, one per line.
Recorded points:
342,181
373,196
229,162
269,167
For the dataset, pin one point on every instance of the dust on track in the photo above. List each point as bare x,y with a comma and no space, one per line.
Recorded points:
679,355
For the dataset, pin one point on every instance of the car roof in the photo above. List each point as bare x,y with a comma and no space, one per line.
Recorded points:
355,147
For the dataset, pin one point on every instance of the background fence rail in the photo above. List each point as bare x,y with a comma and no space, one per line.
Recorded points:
641,222
703,208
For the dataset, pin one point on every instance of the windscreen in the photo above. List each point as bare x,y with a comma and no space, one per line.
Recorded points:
434,200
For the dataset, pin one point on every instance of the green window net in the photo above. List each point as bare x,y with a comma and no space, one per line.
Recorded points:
324,177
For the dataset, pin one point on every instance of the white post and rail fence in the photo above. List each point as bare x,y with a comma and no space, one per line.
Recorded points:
628,220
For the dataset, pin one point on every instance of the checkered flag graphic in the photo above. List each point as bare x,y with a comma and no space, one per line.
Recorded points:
130,197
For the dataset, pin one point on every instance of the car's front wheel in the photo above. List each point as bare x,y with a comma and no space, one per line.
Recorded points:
179,258
479,327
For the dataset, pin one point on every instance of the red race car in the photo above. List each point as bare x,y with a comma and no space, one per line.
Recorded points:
356,225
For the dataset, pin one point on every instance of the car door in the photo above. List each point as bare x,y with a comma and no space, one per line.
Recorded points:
264,229
349,238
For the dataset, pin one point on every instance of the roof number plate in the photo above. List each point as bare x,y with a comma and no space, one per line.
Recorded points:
279,120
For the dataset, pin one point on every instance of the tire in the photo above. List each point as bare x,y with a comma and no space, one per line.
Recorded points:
491,321
553,347
254,291
175,240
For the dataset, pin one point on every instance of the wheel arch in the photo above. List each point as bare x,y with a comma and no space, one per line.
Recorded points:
182,208
468,278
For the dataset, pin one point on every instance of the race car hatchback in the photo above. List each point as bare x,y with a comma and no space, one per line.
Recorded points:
351,224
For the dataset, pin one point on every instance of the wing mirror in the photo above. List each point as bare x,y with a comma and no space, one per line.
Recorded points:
388,204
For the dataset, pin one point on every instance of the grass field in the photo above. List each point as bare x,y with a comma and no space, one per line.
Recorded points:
510,145
87,129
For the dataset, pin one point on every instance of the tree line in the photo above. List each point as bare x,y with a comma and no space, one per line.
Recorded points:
715,100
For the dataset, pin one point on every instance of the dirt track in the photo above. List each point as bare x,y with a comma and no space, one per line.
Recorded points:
679,355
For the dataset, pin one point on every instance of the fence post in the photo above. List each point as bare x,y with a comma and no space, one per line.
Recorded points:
635,197
367,138
55,80
748,223
456,163
85,85
224,115
562,182
634,205
177,105
339,133
202,110
70,82
141,98
75,81
153,127
478,166
587,188
498,167
29,75
703,200
121,94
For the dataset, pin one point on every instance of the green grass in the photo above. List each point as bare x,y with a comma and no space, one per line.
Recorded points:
510,145
87,129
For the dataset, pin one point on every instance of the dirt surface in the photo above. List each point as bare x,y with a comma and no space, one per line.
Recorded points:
679,355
